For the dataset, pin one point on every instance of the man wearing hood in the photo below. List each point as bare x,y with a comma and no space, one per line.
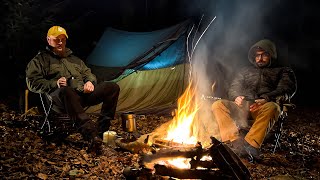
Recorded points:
65,78
254,94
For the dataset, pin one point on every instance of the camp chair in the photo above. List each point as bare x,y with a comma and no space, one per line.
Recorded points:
53,124
55,121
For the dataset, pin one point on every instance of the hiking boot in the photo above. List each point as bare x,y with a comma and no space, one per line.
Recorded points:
95,145
237,146
88,129
254,153
104,124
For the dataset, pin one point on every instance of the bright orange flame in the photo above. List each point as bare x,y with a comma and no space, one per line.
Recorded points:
181,129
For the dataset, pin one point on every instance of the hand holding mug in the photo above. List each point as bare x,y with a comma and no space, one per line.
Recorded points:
62,82
239,100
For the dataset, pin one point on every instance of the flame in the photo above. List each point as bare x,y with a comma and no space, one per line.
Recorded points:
184,128
181,129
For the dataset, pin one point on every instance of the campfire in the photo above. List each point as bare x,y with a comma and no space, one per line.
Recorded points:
186,127
184,148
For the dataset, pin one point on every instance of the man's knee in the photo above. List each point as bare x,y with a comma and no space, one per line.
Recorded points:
67,90
116,87
111,85
271,111
217,104
272,108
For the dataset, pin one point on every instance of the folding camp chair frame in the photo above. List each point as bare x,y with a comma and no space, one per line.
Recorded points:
46,112
279,126
55,124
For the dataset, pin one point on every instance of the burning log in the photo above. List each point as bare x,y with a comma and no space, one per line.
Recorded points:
224,162
169,154
203,164
228,161
169,144
176,152
190,173
133,173
134,147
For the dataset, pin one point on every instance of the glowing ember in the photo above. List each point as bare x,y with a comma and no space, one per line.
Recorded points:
182,163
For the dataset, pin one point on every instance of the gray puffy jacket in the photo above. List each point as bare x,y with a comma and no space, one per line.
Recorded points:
270,82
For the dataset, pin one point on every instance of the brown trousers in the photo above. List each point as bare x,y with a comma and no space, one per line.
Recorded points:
73,102
231,117
67,100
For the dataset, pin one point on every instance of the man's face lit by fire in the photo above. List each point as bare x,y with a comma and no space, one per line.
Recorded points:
262,58
58,43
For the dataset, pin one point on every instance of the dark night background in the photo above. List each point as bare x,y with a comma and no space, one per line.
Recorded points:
290,24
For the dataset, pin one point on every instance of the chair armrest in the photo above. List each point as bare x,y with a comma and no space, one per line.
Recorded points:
284,102
287,106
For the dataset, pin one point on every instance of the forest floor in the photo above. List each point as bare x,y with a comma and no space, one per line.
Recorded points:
25,155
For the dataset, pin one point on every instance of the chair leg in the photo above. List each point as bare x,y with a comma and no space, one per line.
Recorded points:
277,141
279,131
47,112
26,100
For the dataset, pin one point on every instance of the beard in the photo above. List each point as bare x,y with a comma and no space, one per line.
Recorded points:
262,64
59,51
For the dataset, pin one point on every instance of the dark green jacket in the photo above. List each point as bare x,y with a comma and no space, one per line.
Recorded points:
46,68
270,82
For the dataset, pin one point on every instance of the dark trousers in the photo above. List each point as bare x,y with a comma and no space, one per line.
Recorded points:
73,102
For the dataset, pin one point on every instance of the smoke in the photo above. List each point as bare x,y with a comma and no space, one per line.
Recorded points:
223,49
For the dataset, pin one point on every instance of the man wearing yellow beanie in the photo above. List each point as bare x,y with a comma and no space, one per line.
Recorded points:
57,72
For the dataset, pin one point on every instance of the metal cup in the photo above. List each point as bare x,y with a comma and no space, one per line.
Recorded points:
72,82
128,122
246,104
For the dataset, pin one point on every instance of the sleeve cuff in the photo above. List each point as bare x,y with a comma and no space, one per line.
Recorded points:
266,97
